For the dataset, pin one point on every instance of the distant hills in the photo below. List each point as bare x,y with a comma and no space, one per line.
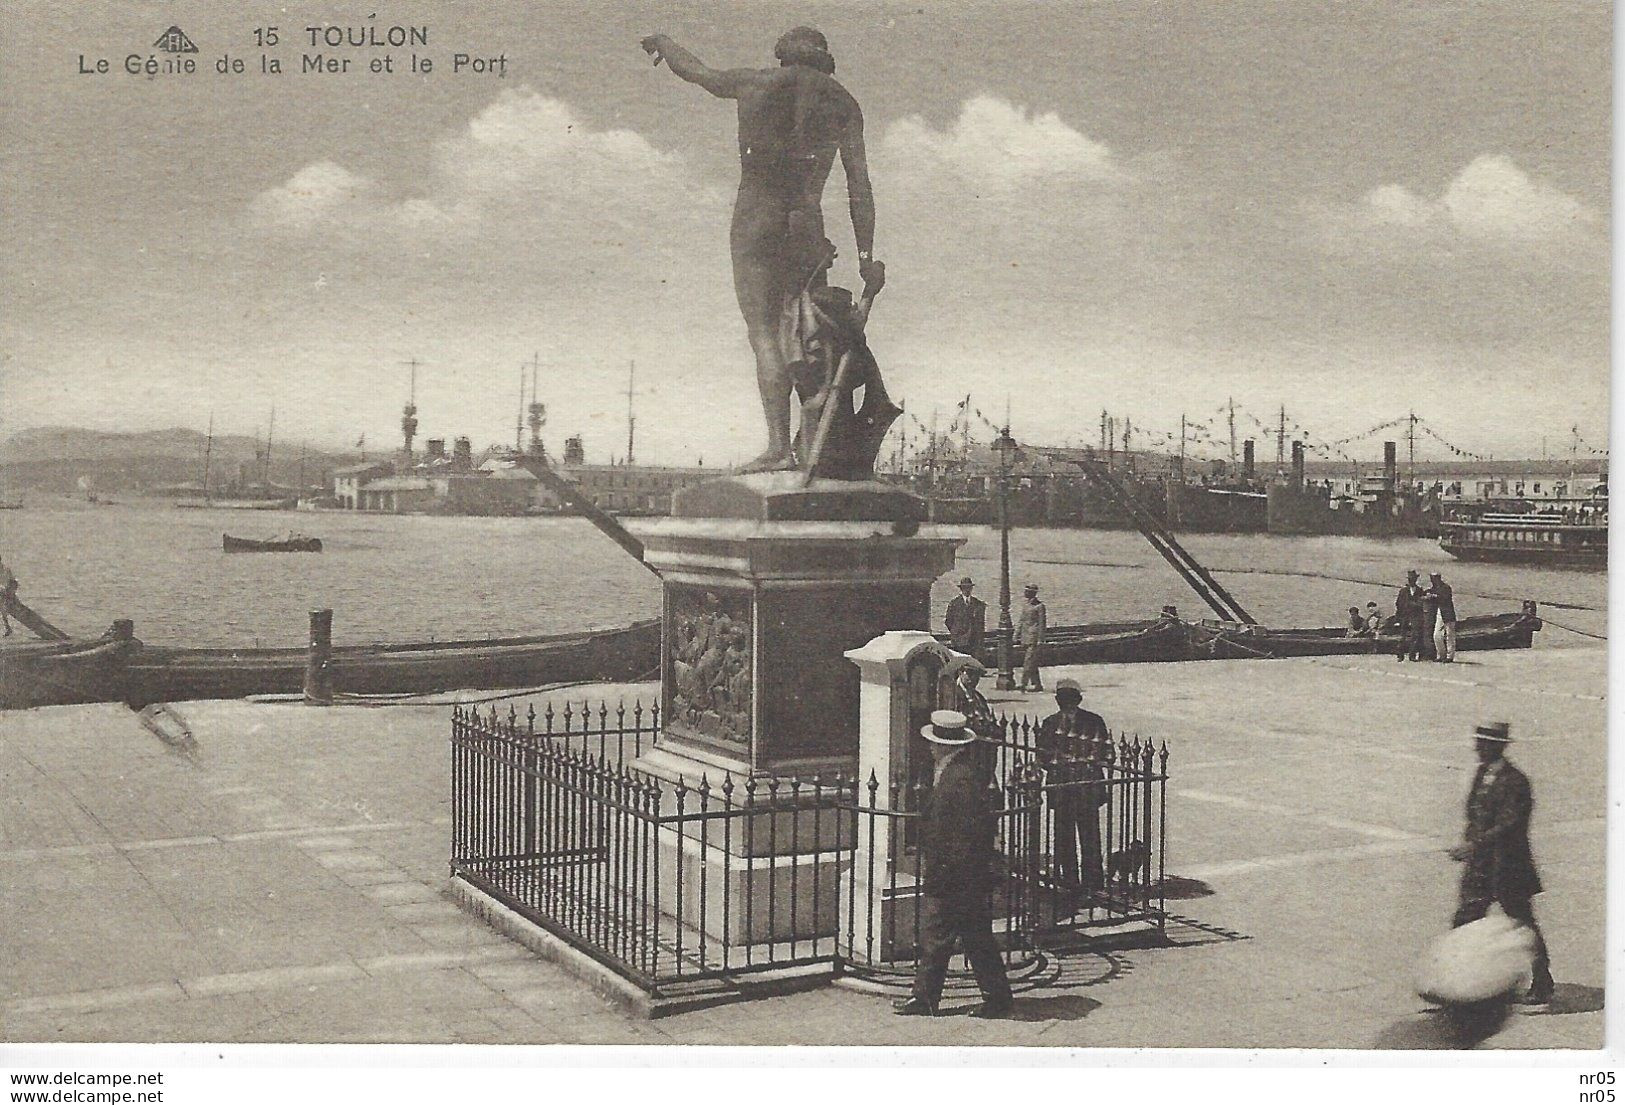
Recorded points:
54,458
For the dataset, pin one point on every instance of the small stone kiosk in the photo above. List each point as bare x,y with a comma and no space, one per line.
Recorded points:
770,580
905,675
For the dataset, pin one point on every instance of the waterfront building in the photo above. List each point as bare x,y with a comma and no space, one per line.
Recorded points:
397,494
634,488
348,481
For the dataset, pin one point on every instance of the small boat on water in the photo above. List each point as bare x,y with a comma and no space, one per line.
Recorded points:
293,542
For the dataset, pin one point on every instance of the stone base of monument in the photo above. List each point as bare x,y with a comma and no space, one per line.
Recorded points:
741,900
768,580
749,859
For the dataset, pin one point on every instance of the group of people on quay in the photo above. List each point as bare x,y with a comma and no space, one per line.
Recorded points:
1425,617
959,812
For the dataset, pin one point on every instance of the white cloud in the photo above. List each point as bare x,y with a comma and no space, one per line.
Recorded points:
525,159
311,196
995,143
1493,199
1491,202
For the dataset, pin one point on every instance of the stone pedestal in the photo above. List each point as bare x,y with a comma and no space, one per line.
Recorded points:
768,582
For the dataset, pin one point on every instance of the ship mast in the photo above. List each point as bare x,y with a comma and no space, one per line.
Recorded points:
631,418
1410,433
265,476
538,410
519,415
409,413
208,449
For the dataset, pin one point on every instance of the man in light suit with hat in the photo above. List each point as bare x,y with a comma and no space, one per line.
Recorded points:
1031,628
1500,866
956,842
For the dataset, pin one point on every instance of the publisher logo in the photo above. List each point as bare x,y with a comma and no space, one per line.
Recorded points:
174,41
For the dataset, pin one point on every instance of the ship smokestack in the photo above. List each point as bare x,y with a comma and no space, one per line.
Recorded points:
1390,464
1247,469
1297,465
462,454
436,447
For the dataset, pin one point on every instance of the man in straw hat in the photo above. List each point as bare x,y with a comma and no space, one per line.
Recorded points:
956,841
966,619
1030,631
1500,867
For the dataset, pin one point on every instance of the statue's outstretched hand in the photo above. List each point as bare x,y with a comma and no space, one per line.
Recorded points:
655,46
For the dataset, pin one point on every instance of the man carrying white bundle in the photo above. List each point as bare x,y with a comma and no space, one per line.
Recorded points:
1500,866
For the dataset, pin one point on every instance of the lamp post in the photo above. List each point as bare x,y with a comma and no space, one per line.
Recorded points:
1005,446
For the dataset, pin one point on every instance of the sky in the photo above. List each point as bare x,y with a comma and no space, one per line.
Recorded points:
1349,210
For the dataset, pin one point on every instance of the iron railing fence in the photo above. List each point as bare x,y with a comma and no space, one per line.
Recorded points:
665,881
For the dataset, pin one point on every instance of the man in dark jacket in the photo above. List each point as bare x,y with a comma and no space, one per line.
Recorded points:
1500,867
1408,609
966,620
1069,747
956,843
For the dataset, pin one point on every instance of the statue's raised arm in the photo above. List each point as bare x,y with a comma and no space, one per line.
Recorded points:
726,84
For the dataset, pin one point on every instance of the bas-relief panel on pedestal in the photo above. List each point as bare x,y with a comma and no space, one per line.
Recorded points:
711,674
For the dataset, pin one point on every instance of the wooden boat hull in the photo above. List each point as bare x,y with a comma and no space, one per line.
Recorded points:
1227,641
106,671
54,673
1166,640
1592,559
249,545
182,674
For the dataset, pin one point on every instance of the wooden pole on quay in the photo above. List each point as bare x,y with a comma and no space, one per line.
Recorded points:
319,664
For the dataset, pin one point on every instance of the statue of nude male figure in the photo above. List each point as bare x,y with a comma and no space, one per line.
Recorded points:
792,122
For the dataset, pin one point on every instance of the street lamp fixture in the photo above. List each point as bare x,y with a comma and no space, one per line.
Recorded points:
1008,451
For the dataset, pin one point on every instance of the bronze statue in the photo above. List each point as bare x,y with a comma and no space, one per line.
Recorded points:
793,120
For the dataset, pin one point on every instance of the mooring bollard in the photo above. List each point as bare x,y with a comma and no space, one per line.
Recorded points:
319,664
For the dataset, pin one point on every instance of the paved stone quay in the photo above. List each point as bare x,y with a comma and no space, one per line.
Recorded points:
287,881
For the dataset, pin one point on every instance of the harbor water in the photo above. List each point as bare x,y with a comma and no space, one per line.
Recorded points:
398,578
